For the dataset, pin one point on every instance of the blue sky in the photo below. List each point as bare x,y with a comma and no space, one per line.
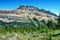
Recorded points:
51,5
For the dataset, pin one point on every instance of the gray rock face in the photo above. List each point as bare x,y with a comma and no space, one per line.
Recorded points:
23,13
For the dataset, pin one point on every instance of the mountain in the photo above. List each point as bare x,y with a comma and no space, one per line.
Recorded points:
26,14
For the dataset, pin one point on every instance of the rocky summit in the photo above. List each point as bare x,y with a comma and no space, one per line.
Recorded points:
26,14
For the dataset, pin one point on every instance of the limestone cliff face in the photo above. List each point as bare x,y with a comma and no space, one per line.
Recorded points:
25,13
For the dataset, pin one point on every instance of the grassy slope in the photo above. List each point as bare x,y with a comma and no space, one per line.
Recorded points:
30,36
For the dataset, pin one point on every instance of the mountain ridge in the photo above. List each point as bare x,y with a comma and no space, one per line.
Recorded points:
42,10
22,13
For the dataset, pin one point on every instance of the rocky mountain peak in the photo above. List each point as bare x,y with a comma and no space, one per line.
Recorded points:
27,7
32,8
22,12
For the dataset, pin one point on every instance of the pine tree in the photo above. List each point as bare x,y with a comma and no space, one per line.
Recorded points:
50,24
59,20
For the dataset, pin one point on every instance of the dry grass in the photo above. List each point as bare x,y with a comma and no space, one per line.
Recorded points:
25,36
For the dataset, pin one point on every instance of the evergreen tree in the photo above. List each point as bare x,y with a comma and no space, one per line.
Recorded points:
50,24
44,22
59,20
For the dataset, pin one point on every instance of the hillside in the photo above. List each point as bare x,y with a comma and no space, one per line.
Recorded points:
29,23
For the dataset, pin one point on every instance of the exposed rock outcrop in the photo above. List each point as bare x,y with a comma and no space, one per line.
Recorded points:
23,13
